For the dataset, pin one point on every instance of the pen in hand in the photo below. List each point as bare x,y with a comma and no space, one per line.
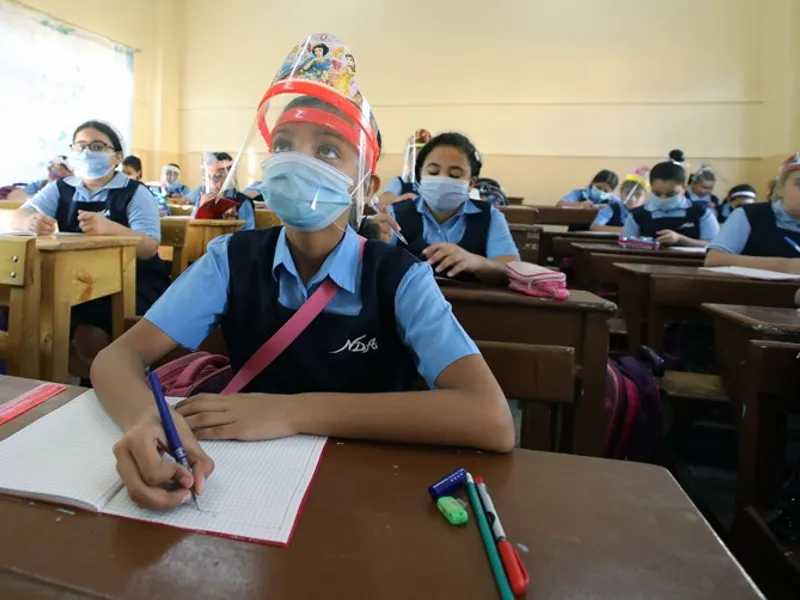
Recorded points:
171,433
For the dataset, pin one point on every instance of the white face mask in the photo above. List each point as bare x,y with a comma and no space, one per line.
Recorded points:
442,194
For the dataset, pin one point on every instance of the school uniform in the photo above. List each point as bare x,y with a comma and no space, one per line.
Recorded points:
687,218
124,201
176,190
723,212
612,214
759,229
34,187
388,321
247,210
398,186
583,195
477,226
711,201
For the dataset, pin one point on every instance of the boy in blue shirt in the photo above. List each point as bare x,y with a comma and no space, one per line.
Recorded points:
668,216
351,372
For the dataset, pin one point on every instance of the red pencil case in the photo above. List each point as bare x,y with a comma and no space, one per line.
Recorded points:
647,243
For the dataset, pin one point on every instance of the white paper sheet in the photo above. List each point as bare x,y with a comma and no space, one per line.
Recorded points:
752,273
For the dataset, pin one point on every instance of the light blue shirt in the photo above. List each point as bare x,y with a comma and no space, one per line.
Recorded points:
194,196
254,187
182,190
606,213
582,195
498,242
196,302
396,186
34,187
709,226
246,214
142,211
736,230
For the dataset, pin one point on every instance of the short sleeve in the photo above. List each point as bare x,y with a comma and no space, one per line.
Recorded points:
631,228
247,215
603,216
427,326
143,214
499,241
709,226
395,187
194,304
45,200
193,197
573,196
733,235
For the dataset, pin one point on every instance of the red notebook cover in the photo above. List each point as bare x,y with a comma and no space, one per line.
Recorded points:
215,209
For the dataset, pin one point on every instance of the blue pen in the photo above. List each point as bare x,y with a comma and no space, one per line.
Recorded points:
792,243
174,442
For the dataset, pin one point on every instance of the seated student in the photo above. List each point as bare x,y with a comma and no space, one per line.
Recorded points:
668,215
132,167
217,165
171,186
459,237
612,216
251,282
58,168
599,191
98,200
406,186
701,188
764,235
489,190
738,195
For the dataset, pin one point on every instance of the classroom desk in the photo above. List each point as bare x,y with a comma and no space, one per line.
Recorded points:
180,210
593,263
650,296
173,241
526,238
588,536
735,326
582,322
74,270
554,215
522,215
515,200
555,245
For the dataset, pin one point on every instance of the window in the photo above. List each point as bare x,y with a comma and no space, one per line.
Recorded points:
54,77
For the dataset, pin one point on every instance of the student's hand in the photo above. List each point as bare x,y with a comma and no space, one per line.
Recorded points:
386,223
406,196
41,223
206,198
450,259
152,481
231,214
238,416
667,237
92,223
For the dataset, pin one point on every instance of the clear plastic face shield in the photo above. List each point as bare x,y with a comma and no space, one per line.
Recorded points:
417,142
218,177
640,179
170,174
314,139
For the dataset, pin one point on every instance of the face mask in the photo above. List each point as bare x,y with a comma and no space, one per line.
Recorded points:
306,194
668,203
91,165
443,193
598,195
173,187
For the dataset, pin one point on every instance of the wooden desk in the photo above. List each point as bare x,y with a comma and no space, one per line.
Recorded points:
522,215
735,326
180,210
74,270
650,296
199,232
582,322
589,536
526,238
173,241
554,215
515,200
555,245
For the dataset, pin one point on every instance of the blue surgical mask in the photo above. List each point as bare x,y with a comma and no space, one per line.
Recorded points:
598,195
173,187
305,193
668,203
91,165
442,194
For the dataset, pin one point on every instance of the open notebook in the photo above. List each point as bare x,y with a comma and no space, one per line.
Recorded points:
255,492
752,273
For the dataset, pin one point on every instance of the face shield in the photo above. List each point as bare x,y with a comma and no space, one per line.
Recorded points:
641,183
314,138
218,177
417,142
170,174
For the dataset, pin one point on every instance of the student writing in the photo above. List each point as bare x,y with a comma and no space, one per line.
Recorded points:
58,168
251,282
216,166
612,216
459,237
171,186
701,188
132,167
764,235
668,215
738,195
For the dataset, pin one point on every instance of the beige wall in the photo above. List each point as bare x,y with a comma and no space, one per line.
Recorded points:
154,27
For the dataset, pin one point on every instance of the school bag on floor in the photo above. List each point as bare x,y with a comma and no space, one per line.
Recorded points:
633,409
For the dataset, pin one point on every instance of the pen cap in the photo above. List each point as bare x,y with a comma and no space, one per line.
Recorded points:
448,484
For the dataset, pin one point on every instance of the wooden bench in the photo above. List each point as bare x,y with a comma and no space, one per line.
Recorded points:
20,291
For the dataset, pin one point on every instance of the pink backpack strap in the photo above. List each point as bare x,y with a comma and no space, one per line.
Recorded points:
275,345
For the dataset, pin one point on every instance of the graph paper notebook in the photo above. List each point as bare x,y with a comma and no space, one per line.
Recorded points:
255,492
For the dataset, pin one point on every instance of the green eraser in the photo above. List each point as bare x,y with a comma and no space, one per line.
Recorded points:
452,510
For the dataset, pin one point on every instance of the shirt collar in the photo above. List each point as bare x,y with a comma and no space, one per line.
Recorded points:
120,180
782,218
341,265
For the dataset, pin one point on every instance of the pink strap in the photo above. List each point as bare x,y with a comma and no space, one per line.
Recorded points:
283,338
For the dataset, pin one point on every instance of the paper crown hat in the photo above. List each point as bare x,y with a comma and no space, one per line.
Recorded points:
792,163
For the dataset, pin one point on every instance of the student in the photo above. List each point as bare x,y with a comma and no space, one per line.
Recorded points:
132,167
668,215
252,281
171,186
701,188
738,195
58,168
216,167
459,237
599,191
98,200
612,216
764,235
406,186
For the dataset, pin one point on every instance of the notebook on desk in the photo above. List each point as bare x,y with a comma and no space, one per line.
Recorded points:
255,492
753,273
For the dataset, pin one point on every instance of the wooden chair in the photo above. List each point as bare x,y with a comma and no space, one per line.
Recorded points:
173,240
20,291
266,218
542,378
199,232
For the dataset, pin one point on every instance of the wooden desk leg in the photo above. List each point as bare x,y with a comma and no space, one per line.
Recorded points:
123,303
55,318
177,262
589,422
23,330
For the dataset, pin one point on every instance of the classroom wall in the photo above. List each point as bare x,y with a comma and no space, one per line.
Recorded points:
551,91
155,28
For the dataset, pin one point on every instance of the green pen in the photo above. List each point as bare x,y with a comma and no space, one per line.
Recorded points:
488,541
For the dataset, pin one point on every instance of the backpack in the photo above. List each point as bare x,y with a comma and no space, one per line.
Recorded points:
633,411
